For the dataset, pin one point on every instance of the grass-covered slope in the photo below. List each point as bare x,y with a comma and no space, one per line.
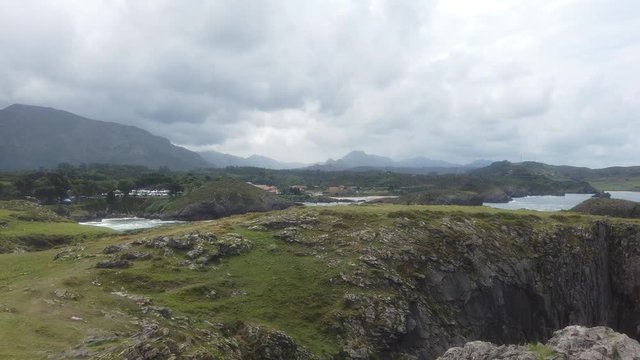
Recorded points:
32,137
213,199
218,198
25,226
381,281
609,207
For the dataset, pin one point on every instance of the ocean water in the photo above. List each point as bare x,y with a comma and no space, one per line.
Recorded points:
124,224
349,200
542,203
557,203
625,195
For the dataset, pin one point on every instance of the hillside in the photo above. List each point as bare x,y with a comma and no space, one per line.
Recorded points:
360,282
32,137
222,160
25,226
610,178
212,199
216,199
609,207
359,160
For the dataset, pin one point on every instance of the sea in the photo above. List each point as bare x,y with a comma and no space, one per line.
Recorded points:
126,224
557,203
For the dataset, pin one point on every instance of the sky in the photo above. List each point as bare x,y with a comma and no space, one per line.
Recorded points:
458,80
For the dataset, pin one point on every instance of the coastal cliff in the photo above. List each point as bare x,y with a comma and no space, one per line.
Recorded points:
354,282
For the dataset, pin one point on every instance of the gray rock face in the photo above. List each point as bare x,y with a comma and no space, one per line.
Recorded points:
269,344
422,282
598,343
197,250
113,264
571,343
550,280
418,283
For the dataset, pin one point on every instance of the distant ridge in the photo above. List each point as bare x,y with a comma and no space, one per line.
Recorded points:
359,160
222,160
32,137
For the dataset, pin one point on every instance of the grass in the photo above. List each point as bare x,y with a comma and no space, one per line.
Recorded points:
617,184
542,351
228,191
27,226
271,286
39,323
279,285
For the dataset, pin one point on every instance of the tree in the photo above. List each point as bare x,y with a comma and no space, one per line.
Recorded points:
174,188
125,186
111,198
47,187
66,169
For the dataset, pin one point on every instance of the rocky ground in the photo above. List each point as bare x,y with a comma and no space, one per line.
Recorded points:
358,282
570,343
609,207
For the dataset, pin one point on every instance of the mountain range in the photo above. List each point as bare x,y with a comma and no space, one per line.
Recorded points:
33,137
219,159
360,160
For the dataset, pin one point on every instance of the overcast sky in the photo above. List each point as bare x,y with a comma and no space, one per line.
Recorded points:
554,81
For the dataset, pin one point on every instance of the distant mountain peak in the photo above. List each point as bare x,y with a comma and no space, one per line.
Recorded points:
32,108
359,159
35,136
222,160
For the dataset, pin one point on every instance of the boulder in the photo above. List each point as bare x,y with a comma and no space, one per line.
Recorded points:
571,343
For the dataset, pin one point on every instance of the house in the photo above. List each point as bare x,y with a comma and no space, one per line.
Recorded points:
150,193
268,188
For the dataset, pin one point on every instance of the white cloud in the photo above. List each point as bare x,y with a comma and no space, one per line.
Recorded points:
451,79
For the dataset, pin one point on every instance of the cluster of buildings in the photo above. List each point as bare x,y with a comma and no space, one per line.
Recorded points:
143,193
151,193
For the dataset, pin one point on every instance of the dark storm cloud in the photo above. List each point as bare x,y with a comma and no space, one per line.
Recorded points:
455,79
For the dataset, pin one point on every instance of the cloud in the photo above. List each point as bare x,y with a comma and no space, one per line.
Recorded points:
458,79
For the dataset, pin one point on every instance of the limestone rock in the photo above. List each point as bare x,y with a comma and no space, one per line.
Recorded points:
233,244
66,294
571,343
268,344
113,264
112,249
597,343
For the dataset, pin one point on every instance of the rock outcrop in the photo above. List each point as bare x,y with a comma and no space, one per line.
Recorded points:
570,343
220,198
609,207
424,282
392,282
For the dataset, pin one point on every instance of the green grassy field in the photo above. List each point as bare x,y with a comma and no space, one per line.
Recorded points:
617,184
26,226
284,286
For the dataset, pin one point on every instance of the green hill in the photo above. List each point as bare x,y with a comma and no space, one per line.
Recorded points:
32,137
377,281
610,178
609,207
215,199
25,226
